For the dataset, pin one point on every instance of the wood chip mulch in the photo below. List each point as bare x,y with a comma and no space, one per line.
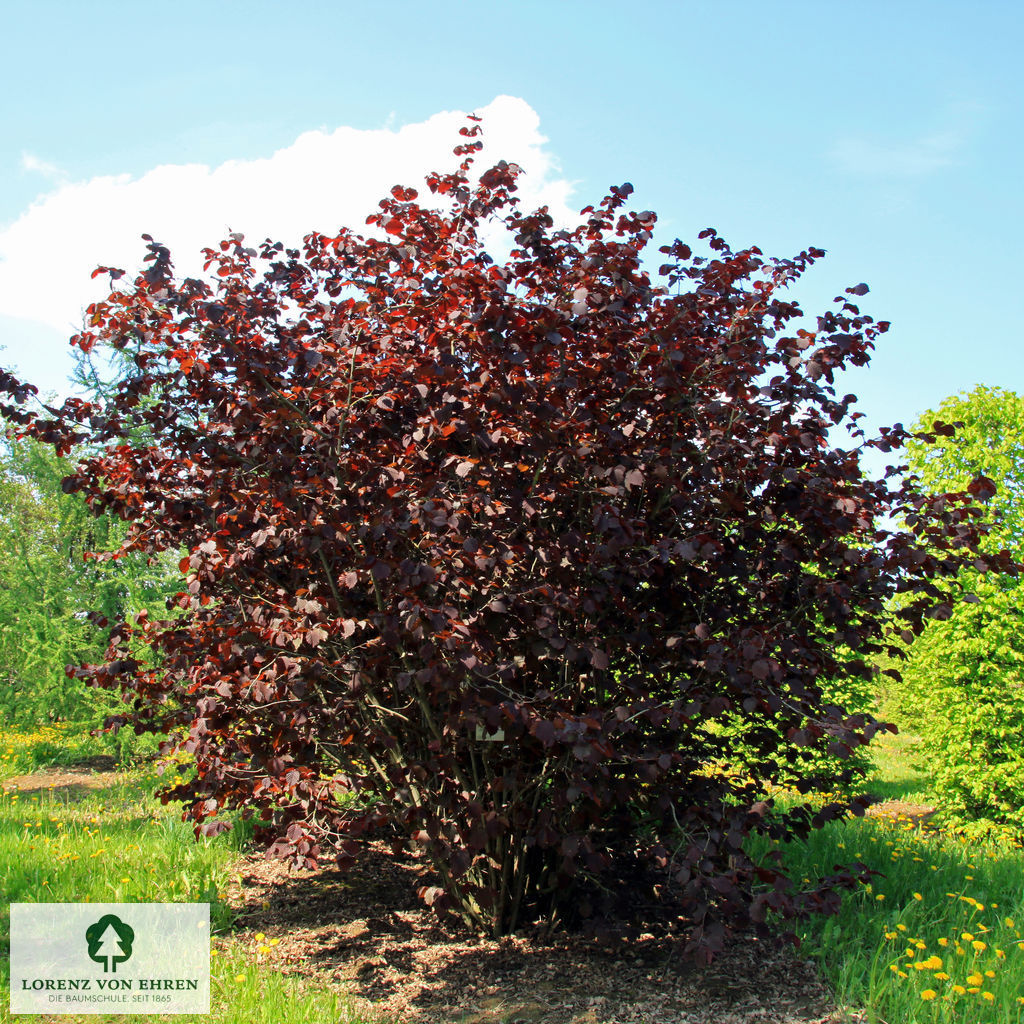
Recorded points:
366,933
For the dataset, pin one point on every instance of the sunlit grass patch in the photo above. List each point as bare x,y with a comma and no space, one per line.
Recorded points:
26,750
937,935
118,844
897,775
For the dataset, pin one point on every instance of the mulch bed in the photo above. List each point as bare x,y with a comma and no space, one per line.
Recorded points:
366,932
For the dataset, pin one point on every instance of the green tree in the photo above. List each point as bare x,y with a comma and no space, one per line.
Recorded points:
988,441
963,684
50,578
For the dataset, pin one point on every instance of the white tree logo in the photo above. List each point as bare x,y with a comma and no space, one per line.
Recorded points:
109,941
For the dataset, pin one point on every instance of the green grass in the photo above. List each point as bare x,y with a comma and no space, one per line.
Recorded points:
25,751
116,845
119,844
933,889
29,749
897,775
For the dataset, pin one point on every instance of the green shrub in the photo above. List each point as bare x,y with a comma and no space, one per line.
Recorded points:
967,676
962,686
854,694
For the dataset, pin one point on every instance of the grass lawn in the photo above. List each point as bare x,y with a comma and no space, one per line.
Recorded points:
118,844
938,935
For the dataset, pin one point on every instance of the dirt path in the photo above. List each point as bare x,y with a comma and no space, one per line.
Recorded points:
73,781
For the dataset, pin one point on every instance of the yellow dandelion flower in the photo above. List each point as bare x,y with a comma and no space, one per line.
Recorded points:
928,994
902,927
890,935
966,936
920,945
979,946
959,990
974,979
988,996
880,897
918,896
1008,921
260,936
1000,954
943,941
941,976
933,963
990,974
274,942
239,978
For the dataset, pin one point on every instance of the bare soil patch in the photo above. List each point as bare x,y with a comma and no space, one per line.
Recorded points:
366,933
919,814
73,781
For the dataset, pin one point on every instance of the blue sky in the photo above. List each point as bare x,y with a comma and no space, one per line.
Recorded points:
889,134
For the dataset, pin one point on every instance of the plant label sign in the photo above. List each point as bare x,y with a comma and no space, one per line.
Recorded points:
126,958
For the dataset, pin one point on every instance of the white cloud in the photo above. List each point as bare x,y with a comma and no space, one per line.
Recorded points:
35,165
913,157
872,156
323,180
